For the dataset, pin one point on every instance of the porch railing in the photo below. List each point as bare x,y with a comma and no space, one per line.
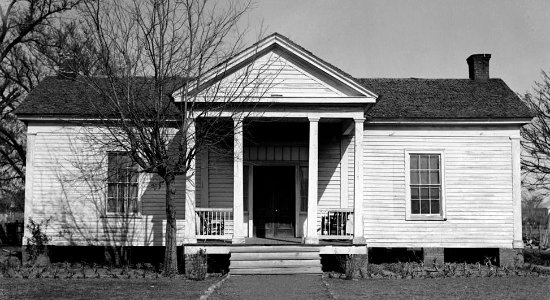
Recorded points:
214,223
336,223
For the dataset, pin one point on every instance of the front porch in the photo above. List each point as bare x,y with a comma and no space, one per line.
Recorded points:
299,187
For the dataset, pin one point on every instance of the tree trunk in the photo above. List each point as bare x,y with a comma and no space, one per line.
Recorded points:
170,253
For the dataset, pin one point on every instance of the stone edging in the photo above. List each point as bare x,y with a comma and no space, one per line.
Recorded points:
211,289
325,283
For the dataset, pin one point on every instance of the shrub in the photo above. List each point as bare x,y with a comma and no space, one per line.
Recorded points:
352,265
196,266
36,244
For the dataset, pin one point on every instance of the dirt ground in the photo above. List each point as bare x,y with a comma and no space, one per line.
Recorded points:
447,288
278,287
272,287
163,288
313,287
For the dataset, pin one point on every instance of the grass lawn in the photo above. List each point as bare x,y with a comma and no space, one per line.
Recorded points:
447,288
103,288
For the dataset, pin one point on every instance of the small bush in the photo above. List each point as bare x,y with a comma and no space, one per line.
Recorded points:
36,244
353,265
196,266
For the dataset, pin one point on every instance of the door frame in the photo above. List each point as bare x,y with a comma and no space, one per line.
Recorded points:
297,191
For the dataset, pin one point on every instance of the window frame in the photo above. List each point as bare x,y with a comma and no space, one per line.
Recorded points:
442,216
107,182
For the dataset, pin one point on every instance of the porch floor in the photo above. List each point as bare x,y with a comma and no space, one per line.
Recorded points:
271,241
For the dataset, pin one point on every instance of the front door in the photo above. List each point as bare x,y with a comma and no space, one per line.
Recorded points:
274,201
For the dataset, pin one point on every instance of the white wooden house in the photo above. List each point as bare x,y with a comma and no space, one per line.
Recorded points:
328,160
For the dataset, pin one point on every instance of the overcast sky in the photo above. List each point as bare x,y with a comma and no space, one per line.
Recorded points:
422,38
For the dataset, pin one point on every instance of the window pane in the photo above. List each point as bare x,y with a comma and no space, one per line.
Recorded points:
121,206
133,191
424,177
122,175
415,177
415,206
121,191
111,205
129,175
415,193
111,167
424,162
111,190
425,206
434,193
434,177
133,205
424,193
434,162
414,161
435,206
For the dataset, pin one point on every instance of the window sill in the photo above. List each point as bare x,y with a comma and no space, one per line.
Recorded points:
426,218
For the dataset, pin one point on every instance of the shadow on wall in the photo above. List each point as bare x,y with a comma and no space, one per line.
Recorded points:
80,217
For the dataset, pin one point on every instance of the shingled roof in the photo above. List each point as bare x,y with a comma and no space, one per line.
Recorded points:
58,96
413,98
399,99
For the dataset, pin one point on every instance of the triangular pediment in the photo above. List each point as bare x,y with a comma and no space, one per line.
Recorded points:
277,69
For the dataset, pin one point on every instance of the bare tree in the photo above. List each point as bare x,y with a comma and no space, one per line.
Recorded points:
154,101
22,27
536,138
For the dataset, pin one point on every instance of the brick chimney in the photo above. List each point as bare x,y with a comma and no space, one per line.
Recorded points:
478,65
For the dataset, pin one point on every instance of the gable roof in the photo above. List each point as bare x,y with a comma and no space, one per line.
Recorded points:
413,98
397,99
283,43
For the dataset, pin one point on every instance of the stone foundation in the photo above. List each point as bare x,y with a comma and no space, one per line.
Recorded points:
431,254
509,257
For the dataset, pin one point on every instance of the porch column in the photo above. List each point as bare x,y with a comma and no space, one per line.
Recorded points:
358,234
516,191
190,199
238,183
311,236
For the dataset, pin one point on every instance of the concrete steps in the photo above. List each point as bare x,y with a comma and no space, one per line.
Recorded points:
268,260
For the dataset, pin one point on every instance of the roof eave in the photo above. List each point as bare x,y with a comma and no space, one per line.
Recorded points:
486,121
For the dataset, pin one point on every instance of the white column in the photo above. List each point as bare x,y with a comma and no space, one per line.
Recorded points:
190,201
311,236
29,178
238,218
516,191
358,234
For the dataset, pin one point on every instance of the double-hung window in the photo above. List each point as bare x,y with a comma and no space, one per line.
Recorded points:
425,190
122,184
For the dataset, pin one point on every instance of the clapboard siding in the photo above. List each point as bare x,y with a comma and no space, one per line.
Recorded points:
329,174
220,179
275,73
478,181
69,172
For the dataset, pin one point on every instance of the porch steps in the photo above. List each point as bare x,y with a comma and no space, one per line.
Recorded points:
270,260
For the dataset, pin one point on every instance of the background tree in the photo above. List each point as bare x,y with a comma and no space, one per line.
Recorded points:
536,139
146,50
23,26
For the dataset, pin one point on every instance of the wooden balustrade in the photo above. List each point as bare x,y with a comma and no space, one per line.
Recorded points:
214,223
336,223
